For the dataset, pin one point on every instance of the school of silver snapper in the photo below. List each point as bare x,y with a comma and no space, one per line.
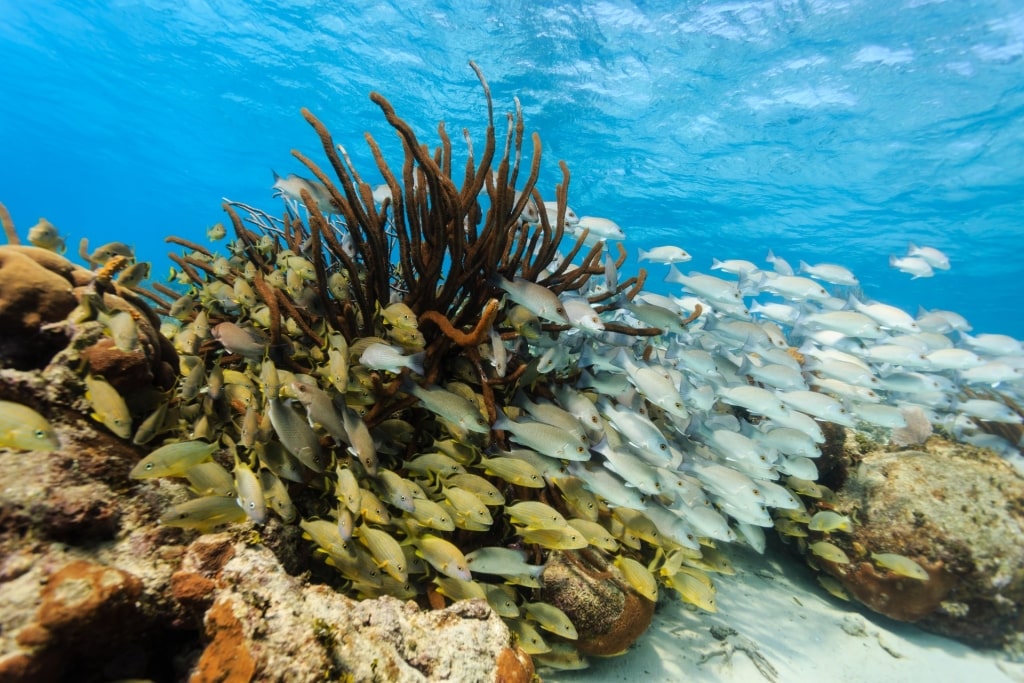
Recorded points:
641,439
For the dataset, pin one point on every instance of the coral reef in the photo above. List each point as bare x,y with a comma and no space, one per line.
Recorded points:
415,325
954,510
408,394
45,298
92,586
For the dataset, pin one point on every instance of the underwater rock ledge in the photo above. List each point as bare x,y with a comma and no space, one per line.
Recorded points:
954,509
91,584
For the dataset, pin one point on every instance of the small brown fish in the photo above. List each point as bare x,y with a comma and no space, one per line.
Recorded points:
239,340
45,236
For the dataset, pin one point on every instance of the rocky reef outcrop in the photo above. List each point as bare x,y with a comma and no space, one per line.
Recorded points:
955,510
91,584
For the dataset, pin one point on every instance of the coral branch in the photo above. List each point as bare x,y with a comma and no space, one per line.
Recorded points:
474,338
8,225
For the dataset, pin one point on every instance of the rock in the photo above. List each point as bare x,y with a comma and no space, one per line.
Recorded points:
958,511
227,658
39,289
91,584
608,614
34,289
282,628
89,618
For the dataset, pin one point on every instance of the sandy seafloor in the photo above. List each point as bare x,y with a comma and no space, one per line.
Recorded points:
779,611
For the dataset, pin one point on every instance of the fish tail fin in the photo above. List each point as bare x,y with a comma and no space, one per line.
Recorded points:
643,255
675,276
416,362
502,423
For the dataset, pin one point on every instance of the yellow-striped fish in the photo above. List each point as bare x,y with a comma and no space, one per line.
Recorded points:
399,315
152,425
430,514
205,514
528,637
173,460
514,471
250,493
502,599
829,551
595,534
550,618
108,406
22,428
534,514
386,551
443,556
210,479
693,590
457,589
566,538
487,492
829,521
900,564
638,576
468,505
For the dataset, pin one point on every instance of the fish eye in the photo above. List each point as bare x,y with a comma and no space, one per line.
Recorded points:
663,447
40,434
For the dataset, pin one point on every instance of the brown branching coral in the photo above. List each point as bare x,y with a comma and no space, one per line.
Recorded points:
429,242
8,225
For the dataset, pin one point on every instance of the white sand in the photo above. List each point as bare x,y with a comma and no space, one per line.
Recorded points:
800,633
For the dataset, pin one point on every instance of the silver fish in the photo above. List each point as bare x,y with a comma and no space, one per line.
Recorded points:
539,300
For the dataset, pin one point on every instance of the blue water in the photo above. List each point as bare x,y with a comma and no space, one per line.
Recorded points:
826,130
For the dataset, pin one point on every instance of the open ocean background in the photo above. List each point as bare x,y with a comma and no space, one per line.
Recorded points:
826,130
